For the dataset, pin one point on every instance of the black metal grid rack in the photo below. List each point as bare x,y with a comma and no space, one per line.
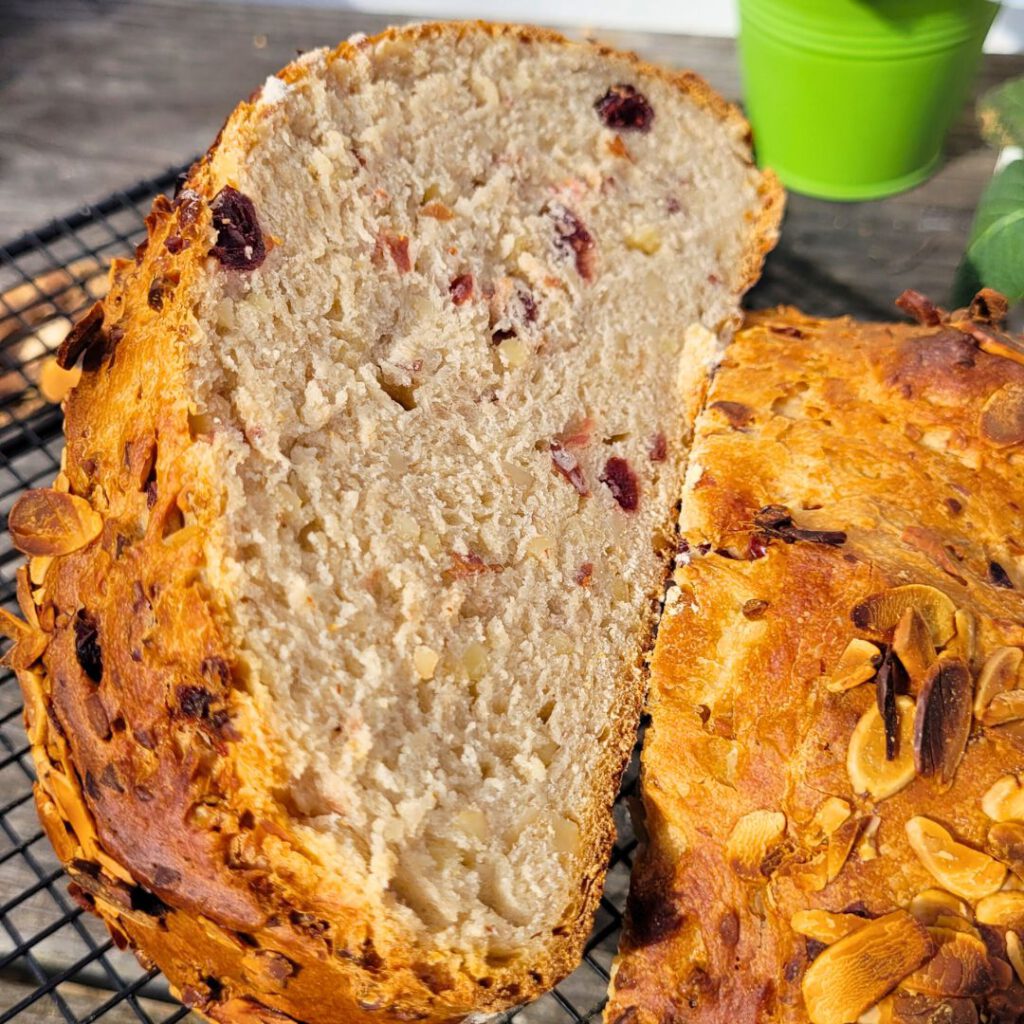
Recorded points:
57,963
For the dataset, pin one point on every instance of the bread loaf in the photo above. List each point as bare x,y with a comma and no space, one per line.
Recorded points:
851,578
336,612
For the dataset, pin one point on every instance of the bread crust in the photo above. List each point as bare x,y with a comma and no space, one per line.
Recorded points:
884,432
156,788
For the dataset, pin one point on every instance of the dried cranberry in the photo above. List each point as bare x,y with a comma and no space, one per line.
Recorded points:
568,466
461,289
87,645
624,109
620,479
574,237
194,701
584,574
85,335
175,244
189,204
398,247
240,244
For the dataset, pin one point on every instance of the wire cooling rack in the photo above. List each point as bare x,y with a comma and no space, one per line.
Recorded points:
58,963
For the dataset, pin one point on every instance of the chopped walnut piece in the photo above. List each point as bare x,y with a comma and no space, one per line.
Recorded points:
998,674
857,664
48,523
880,613
961,869
942,721
870,770
857,971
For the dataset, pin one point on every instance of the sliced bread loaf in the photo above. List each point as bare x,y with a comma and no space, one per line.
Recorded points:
338,609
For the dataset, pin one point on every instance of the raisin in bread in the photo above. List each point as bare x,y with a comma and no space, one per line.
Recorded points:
337,610
833,811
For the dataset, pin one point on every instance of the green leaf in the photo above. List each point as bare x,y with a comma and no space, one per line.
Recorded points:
995,251
1001,114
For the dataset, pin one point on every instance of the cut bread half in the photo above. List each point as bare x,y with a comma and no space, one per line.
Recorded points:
375,458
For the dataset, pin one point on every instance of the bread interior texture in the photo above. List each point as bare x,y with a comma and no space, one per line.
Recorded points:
449,410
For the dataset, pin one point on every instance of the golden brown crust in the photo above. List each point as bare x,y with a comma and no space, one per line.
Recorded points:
156,774
876,437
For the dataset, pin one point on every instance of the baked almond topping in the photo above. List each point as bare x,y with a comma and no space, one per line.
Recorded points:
1002,416
49,523
825,926
832,813
890,680
840,845
1006,842
961,645
961,967
1003,708
961,869
1003,909
857,664
1004,800
870,771
776,522
751,840
881,613
998,674
857,971
912,644
932,906
942,721
1015,953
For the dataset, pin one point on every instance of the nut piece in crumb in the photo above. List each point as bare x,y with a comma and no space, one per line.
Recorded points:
825,926
961,968
998,674
942,720
751,840
1004,799
1002,909
912,644
55,382
856,665
50,523
961,869
880,613
857,971
425,660
869,769
1002,417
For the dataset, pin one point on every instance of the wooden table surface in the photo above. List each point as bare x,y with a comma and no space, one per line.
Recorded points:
96,95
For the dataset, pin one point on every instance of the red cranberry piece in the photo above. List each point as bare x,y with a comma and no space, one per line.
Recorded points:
240,244
194,701
624,109
461,289
657,448
620,479
568,466
87,646
585,574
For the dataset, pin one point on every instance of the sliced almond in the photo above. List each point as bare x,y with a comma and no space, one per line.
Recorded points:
961,967
998,674
857,971
831,813
1004,800
912,644
1003,909
942,720
1006,842
1002,416
1003,708
866,763
929,905
840,845
751,840
45,522
964,640
824,926
1015,954
867,847
881,613
856,665
961,869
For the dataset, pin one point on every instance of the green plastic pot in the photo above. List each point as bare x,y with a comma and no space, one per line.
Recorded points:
851,99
